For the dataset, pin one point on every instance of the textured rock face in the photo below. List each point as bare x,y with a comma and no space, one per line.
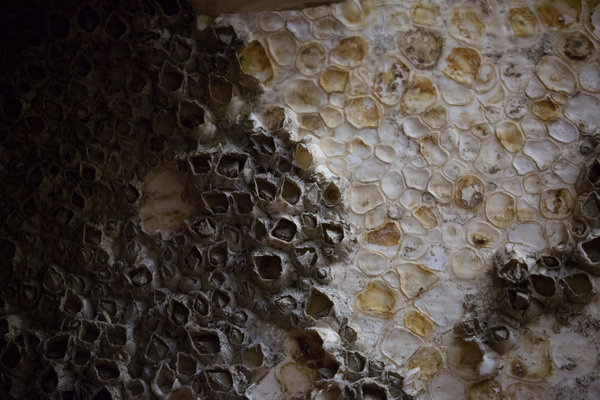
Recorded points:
368,200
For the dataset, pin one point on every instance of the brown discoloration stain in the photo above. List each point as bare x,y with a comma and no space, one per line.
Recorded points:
389,235
558,13
376,299
350,51
422,47
463,65
518,368
523,21
470,192
419,96
546,109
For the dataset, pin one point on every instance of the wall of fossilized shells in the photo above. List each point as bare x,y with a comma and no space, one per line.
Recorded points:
368,200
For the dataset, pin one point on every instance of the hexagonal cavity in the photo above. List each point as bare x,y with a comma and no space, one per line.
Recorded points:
469,193
487,78
462,65
425,14
385,153
377,299
303,96
265,189
556,203
290,191
355,14
468,146
220,88
422,46
282,46
364,198
578,288
303,157
270,21
370,170
384,239
455,94
350,52
446,386
362,112
589,77
431,149
332,116
523,21
268,267
391,77
331,194
332,233
318,304
327,27
106,370
530,360
465,25
392,184
56,347
399,345
418,323
313,123
556,75
546,109
435,117
440,187
416,178
285,229
510,135
443,304
372,263
582,112
481,234
466,263
558,14
542,151
218,380
420,95
415,279
310,58
563,131
254,61
216,202
191,114
170,78
334,79
253,357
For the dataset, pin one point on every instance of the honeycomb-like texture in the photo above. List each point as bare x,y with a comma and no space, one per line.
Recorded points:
463,132
161,236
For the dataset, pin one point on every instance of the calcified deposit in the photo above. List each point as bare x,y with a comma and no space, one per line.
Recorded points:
369,200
